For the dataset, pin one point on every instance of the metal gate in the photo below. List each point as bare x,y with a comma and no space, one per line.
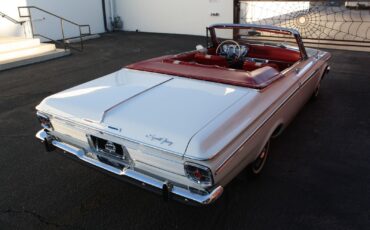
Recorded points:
330,24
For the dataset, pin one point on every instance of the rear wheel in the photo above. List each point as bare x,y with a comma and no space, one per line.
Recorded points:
259,163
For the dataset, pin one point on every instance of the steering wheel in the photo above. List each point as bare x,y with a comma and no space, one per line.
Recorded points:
220,50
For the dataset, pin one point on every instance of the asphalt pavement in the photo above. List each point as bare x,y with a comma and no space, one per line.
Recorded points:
317,176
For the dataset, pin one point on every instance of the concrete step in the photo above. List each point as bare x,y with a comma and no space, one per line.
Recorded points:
31,59
8,44
19,53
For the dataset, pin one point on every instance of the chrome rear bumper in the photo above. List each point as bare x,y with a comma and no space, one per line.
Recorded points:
136,177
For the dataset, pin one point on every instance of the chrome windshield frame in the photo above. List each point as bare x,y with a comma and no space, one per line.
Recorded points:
269,28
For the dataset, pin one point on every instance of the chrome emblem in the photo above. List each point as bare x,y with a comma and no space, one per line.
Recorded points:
110,147
162,140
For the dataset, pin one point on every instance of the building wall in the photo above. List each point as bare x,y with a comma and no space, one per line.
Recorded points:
81,12
162,16
8,28
173,16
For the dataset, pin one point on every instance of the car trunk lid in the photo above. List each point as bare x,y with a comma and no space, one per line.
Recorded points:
159,110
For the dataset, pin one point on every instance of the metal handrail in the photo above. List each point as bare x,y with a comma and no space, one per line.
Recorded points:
62,21
11,19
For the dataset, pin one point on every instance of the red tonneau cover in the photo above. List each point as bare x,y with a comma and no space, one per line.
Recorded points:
259,78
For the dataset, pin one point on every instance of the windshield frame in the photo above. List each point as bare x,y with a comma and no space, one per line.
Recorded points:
266,28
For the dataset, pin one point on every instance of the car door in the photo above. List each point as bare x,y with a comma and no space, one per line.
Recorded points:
309,77
302,78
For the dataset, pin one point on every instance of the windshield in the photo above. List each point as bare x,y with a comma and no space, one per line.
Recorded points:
257,36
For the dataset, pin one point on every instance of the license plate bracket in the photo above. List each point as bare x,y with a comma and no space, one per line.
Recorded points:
109,152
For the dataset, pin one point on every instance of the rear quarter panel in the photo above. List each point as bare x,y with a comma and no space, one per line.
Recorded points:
284,99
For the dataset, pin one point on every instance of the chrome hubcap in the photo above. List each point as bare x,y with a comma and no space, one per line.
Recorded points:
260,161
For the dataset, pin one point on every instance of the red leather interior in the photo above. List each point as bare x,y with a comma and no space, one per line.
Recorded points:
250,66
207,59
273,53
258,78
209,67
187,56
279,58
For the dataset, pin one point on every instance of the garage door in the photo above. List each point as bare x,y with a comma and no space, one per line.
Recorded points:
329,24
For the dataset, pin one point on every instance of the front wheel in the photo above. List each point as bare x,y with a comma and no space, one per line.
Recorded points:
315,94
257,165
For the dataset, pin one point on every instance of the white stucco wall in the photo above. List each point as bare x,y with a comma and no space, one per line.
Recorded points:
162,16
81,12
9,7
173,16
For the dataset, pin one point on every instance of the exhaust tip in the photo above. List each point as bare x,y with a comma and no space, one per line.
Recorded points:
166,190
49,147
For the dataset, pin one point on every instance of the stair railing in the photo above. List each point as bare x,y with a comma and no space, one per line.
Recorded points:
15,21
11,19
63,42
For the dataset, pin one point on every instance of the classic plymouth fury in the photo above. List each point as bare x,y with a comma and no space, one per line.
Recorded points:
185,125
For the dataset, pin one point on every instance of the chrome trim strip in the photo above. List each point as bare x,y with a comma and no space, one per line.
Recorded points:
184,193
127,99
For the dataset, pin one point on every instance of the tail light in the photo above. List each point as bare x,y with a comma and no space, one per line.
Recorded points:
44,120
198,173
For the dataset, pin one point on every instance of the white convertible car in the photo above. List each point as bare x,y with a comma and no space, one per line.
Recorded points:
185,125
